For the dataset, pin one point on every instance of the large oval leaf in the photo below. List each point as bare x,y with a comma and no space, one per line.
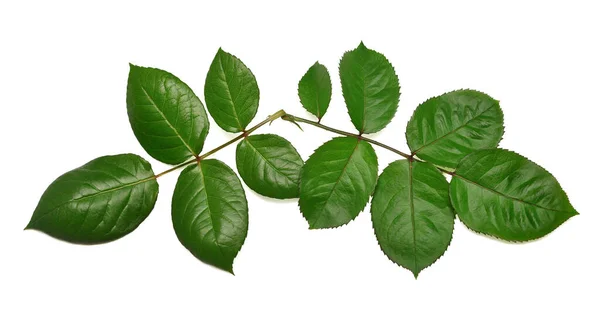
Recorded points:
314,90
210,213
501,193
98,202
412,215
270,165
166,116
446,128
371,88
231,92
337,181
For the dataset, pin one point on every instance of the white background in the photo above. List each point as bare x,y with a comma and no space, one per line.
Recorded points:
63,73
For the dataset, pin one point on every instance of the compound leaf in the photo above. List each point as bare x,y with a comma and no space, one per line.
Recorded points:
371,88
101,201
446,128
314,90
231,92
269,165
167,118
210,213
503,194
412,216
337,181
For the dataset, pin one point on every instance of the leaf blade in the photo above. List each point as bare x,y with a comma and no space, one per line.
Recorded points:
101,201
210,213
337,181
446,128
269,165
412,215
370,87
231,92
167,118
517,199
314,90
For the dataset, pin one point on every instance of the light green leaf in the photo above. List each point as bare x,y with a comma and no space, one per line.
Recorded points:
412,215
337,181
503,194
446,128
210,213
371,88
101,201
314,90
167,118
231,92
269,165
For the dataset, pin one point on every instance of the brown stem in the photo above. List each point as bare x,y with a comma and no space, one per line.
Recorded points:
271,118
292,118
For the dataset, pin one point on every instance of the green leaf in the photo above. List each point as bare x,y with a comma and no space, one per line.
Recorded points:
314,90
210,213
371,88
503,194
412,215
446,128
101,201
337,181
231,92
269,165
166,116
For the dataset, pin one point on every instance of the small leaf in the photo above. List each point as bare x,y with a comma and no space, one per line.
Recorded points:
210,213
101,201
503,194
166,116
314,90
337,181
412,215
446,128
269,165
231,92
371,88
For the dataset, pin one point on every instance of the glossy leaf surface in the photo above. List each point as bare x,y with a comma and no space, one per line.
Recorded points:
101,201
270,165
446,128
371,88
167,118
210,213
503,194
412,215
314,90
337,181
231,92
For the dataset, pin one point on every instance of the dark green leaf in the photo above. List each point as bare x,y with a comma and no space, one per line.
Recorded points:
210,213
314,90
166,116
270,165
412,215
503,194
337,181
231,92
446,128
371,89
98,202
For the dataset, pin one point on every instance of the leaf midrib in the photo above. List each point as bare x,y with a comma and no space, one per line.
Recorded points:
412,210
268,162
131,184
212,220
510,197
337,181
166,120
454,130
235,113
